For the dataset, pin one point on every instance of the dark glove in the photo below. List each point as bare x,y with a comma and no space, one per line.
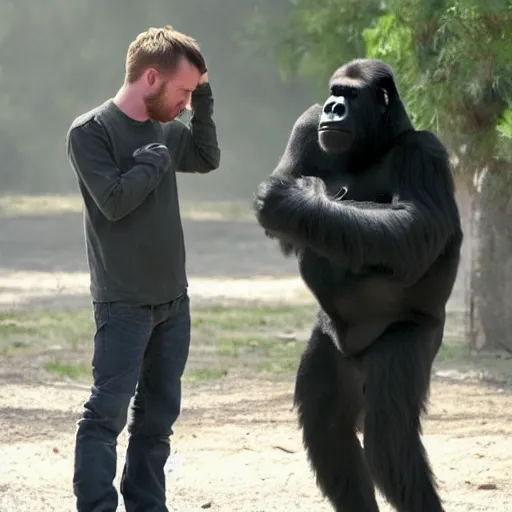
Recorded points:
154,153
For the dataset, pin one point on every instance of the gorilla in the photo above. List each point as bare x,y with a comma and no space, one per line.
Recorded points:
367,205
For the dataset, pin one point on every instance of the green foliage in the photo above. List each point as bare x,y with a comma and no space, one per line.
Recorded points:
451,57
392,41
505,125
320,35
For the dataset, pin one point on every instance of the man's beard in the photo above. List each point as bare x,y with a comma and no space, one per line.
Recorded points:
156,108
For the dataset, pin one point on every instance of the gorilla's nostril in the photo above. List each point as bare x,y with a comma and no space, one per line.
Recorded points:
339,109
328,108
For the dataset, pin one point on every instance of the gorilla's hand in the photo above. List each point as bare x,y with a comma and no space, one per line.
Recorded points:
278,201
311,185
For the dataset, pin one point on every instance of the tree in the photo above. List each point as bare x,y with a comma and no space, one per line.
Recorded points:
320,35
452,59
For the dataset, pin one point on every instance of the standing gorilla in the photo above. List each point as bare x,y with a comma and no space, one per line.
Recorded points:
367,204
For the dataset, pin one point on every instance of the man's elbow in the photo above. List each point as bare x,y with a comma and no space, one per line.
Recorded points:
111,215
111,211
210,162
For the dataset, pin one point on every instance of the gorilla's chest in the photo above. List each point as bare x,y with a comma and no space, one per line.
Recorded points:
373,184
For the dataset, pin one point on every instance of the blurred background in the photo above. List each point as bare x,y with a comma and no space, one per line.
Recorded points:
60,58
268,60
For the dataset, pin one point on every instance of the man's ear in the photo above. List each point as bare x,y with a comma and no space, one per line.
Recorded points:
151,76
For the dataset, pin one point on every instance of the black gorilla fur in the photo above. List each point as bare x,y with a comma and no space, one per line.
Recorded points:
367,204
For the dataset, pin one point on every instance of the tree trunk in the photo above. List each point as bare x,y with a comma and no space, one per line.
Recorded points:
490,248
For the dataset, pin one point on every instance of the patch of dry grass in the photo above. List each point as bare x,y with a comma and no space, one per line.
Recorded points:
246,337
19,205
225,338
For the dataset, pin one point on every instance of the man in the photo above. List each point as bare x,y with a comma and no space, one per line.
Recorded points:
125,154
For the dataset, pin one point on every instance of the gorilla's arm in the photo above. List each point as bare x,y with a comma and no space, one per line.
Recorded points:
302,153
301,156
404,237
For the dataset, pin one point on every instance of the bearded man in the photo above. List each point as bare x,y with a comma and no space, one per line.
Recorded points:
125,154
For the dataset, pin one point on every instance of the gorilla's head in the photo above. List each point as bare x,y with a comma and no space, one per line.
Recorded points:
364,111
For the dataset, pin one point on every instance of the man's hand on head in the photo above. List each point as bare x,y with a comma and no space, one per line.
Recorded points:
203,79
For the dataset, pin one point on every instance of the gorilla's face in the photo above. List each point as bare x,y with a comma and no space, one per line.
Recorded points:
353,115
336,128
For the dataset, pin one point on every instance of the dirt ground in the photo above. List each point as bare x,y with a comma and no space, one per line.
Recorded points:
236,445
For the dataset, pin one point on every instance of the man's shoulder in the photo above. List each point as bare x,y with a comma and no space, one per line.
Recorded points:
93,117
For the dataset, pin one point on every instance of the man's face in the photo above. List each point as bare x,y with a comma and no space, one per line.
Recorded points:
169,96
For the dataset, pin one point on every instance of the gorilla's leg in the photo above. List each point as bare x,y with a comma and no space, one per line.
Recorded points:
396,391
328,395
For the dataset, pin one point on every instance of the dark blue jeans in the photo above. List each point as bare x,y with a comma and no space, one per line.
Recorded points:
139,351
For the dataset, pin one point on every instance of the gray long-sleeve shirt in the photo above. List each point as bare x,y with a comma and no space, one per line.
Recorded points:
134,237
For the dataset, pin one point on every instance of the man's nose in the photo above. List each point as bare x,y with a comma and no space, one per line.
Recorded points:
189,102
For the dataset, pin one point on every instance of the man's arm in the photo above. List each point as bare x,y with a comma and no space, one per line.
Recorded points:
116,194
198,147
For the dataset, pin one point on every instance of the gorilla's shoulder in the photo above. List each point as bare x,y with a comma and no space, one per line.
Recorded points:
305,128
310,118
304,140
425,142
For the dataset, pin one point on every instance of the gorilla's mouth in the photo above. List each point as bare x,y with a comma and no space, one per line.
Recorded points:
333,139
331,126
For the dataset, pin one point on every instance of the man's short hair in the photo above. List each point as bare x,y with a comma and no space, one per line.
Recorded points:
161,48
